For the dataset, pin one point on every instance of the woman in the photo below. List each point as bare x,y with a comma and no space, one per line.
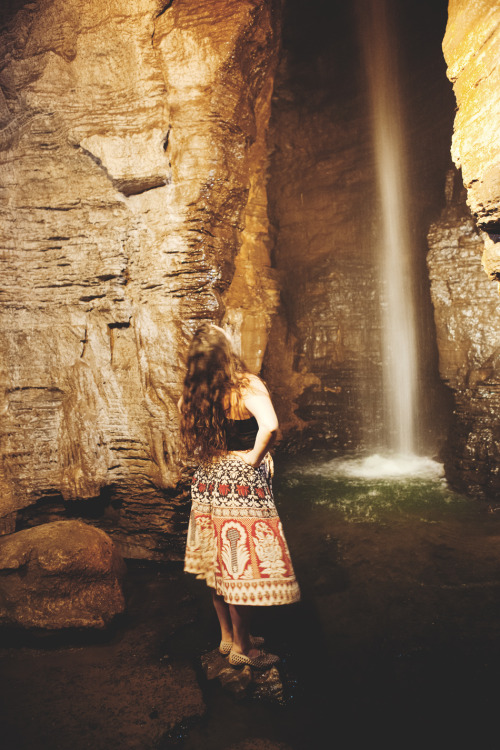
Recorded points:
235,540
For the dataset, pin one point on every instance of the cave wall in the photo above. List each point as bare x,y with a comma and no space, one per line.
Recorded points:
132,174
326,340
466,305
468,335
471,48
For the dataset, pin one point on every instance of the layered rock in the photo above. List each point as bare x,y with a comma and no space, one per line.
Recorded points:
325,361
132,173
468,337
65,574
471,48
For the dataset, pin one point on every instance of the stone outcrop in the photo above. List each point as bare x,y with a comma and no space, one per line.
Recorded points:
471,48
65,574
266,684
468,338
132,185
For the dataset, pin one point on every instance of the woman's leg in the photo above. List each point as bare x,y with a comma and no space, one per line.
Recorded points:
240,617
222,609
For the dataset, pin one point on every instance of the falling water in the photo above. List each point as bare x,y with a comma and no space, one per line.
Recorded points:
398,316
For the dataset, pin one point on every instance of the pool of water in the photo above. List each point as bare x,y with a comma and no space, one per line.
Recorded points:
396,638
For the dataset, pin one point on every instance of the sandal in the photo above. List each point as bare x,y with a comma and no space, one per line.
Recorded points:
256,641
262,661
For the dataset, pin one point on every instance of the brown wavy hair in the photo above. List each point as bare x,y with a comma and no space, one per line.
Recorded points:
213,372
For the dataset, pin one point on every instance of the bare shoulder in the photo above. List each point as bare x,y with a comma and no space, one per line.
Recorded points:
254,386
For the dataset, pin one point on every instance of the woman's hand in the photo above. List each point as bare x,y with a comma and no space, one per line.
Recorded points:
248,457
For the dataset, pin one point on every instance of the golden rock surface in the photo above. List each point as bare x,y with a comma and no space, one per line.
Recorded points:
472,50
132,179
64,574
467,339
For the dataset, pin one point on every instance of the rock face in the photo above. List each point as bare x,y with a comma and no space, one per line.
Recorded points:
468,337
323,253
471,48
65,574
132,176
465,305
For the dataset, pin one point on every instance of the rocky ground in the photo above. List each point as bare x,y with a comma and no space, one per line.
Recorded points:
113,690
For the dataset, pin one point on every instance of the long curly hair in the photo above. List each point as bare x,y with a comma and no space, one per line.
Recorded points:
213,373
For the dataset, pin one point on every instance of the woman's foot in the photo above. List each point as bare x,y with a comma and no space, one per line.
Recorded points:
256,641
254,658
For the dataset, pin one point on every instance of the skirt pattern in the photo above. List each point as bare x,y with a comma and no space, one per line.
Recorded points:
235,538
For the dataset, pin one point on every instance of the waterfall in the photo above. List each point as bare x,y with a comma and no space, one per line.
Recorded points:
395,246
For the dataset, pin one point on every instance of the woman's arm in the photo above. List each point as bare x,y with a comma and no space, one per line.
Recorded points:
257,401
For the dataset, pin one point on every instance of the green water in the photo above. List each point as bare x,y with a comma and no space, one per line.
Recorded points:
358,499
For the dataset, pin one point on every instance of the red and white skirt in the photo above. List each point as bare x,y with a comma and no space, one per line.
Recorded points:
235,538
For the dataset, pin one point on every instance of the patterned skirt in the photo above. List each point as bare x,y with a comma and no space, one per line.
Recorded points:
235,538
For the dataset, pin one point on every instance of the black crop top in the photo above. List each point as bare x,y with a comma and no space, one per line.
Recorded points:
241,433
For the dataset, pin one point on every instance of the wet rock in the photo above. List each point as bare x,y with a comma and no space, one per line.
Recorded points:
144,124
236,681
268,685
470,47
467,339
65,574
243,681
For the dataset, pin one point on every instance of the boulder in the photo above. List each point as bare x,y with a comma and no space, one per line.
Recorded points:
65,574
264,684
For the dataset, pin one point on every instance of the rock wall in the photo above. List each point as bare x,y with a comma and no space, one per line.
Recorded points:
324,352
468,336
471,48
132,175
465,304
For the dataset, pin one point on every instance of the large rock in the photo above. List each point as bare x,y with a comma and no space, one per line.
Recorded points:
265,684
132,176
64,574
471,48
468,337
